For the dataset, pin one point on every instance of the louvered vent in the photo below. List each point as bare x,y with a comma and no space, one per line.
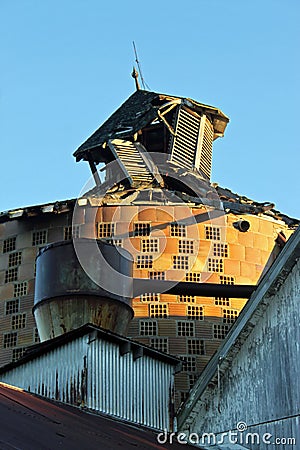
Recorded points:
136,164
184,144
206,150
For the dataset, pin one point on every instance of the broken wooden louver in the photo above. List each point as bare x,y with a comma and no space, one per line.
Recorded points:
192,144
135,162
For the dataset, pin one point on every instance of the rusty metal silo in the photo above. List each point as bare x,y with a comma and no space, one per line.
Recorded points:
67,298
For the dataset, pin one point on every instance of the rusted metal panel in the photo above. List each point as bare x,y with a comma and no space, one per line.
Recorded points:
67,298
54,375
59,271
90,371
182,381
61,314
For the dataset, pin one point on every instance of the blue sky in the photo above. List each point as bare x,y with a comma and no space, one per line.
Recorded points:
66,64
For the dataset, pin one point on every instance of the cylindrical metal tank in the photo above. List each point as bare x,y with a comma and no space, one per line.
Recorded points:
67,298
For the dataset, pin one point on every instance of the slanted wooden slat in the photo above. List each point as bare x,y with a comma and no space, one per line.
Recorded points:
192,144
133,161
184,144
206,149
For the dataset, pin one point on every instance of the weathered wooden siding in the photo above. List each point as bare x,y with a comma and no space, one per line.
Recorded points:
261,386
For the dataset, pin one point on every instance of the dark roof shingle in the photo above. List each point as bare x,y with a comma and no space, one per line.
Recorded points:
138,111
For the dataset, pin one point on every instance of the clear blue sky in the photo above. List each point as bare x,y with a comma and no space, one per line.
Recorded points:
66,64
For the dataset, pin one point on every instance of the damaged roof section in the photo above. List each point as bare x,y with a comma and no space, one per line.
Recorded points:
161,123
135,113
224,198
57,207
239,204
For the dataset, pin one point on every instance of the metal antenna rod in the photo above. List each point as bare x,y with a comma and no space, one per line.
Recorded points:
139,67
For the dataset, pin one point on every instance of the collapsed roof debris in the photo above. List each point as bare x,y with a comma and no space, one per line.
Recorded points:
148,125
57,207
158,147
236,203
229,201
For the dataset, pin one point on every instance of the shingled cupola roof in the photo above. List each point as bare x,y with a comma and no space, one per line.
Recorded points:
139,111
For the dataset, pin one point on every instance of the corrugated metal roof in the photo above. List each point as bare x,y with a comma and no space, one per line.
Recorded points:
43,347
29,422
112,376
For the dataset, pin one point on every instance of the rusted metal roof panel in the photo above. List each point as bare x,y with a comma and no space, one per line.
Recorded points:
29,422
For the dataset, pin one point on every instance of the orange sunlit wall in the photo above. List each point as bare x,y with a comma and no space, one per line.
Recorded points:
185,243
